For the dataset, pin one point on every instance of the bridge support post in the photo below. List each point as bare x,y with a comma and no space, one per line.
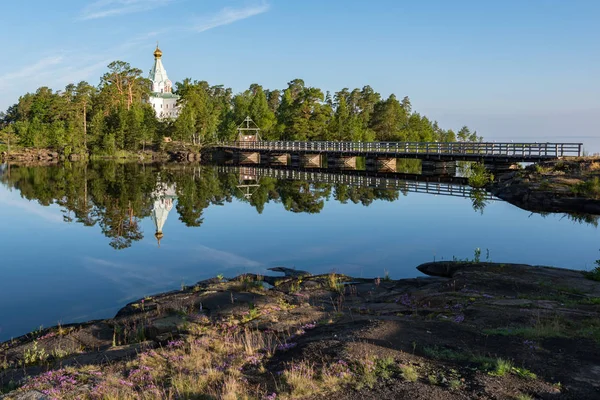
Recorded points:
381,164
278,159
247,157
501,167
429,167
307,160
341,162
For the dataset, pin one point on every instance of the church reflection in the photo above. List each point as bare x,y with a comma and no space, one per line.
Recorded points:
163,195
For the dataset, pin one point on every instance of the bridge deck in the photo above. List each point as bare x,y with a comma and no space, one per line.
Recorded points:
435,151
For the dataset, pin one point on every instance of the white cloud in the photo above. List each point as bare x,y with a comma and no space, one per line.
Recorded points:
224,258
113,8
31,207
31,71
229,15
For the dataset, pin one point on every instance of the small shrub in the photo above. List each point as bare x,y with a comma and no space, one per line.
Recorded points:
409,373
479,176
300,379
588,188
523,397
365,371
34,354
455,384
523,373
503,367
385,367
386,276
594,274
334,283
432,379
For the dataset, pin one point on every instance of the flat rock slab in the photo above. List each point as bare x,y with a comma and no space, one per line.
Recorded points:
31,395
219,303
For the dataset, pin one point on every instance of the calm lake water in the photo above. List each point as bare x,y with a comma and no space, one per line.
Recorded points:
78,243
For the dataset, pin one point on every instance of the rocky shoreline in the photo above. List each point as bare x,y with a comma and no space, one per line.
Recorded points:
469,330
49,157
568,186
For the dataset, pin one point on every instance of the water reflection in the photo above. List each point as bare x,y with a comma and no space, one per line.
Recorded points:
164,195
116,197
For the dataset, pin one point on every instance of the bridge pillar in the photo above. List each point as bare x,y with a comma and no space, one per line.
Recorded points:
278,159
247,157
342,162
381,164
307,160
500,167
429,167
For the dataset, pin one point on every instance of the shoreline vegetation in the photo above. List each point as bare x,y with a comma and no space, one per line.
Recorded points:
470,329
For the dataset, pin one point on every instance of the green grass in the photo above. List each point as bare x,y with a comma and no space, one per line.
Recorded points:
553,328
409,373
523,397
523,373
334,282
438,353
455,384
588,188
593,274
433,379
385,368
503,367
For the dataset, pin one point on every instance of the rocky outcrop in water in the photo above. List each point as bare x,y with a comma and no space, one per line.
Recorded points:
569,186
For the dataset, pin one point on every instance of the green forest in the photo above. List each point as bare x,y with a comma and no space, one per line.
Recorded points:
115,116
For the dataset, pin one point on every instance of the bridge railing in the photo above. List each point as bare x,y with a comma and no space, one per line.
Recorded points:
448,148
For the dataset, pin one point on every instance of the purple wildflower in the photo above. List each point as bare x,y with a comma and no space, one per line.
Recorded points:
308,326
286,346
459,318
175,343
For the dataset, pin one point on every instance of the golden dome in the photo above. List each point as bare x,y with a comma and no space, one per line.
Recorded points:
157,52
158,236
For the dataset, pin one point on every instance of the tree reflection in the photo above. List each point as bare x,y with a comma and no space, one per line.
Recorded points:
479,199
117,197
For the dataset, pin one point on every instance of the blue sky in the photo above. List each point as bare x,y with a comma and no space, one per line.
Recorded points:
510,69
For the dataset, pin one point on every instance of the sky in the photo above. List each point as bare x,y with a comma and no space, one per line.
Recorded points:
512,70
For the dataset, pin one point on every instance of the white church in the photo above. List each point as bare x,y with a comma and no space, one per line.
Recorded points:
162,98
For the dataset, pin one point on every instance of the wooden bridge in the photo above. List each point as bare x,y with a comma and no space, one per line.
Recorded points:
487,152
416,183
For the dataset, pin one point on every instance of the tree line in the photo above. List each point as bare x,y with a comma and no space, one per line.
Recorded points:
115,115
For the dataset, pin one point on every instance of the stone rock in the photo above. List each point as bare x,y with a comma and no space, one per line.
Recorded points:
170,324
30,395
444,269
290,272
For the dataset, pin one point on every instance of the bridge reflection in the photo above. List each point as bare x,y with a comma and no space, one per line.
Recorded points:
442,185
